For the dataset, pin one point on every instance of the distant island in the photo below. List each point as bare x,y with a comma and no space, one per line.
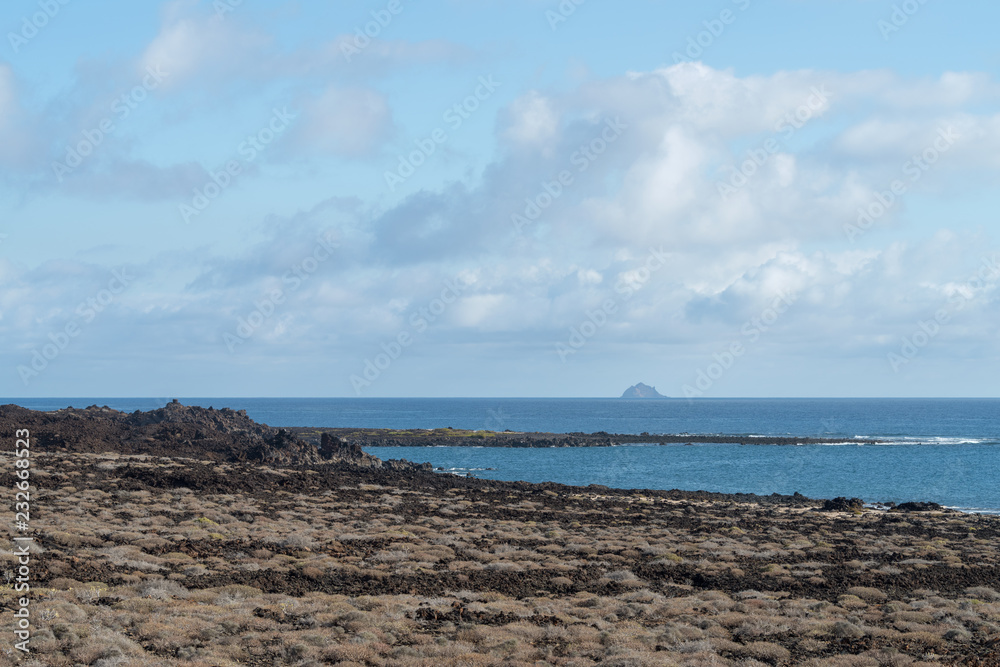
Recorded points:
642,391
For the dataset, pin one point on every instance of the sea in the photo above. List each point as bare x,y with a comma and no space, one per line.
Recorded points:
940,450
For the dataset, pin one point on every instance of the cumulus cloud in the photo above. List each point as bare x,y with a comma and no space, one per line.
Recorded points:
192,46
532,123
657,187
590,185
200,59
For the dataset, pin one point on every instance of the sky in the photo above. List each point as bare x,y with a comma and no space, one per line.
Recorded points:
761,198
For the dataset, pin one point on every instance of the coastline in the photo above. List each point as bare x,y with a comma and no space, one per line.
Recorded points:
163,558
449,437
198,536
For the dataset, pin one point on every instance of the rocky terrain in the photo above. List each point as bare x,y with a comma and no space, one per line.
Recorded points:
142,560
180,431
241,553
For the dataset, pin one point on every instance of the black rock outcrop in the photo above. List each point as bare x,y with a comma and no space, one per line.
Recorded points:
177,430
843,504
920,506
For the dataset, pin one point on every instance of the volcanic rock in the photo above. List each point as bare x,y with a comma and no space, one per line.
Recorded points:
918,507
842,504
179,431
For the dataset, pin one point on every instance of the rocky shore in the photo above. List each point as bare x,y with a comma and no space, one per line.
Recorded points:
183,431
154,545
449,437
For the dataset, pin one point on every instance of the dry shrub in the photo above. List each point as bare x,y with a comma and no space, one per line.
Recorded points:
731,619
810,645
846,629
957,635
132,557
390,556
843,661
911,617
765,651
761,626
851,602
295,541
64,584
149,543
890,658
74,541
982,593
868,594
238,591
923,637
104,643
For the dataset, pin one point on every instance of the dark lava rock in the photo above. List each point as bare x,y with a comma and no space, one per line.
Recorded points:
451,438
177,430
843,504
918,507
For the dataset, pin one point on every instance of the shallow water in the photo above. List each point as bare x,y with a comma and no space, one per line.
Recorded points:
961,476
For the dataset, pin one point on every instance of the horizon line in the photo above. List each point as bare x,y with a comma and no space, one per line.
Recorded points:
473,398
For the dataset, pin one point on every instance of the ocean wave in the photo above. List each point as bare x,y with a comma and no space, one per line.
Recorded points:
977,510
926,440
845,443
870,440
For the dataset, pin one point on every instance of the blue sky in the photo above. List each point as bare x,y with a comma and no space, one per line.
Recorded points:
518,198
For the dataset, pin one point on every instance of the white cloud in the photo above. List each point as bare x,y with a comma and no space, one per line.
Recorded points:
202,46
195,45
350,122
654,186
532,122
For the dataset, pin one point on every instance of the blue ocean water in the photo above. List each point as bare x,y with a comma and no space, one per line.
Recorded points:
942,450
